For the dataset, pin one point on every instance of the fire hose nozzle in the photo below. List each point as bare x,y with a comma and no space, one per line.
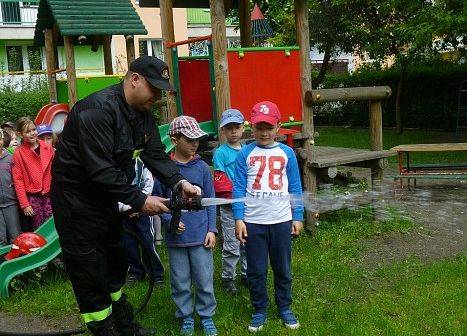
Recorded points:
177,203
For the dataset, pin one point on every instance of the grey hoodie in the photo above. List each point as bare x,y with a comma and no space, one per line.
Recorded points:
7,191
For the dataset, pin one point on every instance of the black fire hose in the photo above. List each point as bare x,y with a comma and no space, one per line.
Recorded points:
82,330
176,204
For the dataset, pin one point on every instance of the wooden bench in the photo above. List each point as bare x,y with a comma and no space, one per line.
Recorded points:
408,170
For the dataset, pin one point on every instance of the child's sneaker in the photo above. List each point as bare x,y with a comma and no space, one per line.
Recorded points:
188,326
208,327
257,322
289,319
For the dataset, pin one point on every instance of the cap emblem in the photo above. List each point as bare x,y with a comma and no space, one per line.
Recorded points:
264,109
165,73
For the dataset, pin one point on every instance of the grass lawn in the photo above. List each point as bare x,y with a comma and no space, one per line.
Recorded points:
360,138
334,293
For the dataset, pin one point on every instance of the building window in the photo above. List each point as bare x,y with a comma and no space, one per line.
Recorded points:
34,58
199,48
151,48
30,4
10,12
233,42
14,57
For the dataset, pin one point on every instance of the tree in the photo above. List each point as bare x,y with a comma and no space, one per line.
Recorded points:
406,32
332,30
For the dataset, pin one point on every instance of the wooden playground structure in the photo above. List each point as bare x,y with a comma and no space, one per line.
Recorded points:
314,159
224,74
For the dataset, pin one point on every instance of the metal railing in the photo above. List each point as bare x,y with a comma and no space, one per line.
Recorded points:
18,13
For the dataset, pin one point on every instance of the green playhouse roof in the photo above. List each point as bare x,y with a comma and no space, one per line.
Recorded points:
202,16
88,18
183,3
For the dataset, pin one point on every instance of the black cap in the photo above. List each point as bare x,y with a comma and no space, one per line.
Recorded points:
154,70
8,124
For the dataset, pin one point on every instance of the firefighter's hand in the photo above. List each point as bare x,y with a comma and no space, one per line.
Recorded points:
240,230
181,228
154,206
189,190
210,240
28,211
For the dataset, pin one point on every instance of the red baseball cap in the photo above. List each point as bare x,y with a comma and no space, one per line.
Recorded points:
265,111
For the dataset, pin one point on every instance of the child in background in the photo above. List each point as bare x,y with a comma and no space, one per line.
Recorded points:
142,226
9,219
32,163
190,249
224,164
45,133
267,173
9,127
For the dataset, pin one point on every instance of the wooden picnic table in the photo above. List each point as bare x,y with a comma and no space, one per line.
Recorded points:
430,170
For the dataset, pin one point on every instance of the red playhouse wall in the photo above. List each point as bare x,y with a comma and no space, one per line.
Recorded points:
195,88
266,75
258,75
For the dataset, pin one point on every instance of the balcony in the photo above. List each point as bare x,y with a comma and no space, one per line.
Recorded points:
18,13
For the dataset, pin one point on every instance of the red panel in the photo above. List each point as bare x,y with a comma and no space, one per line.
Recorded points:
195,89
266,75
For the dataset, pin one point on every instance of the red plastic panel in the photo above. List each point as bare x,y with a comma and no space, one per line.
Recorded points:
41,114
195,89
266,75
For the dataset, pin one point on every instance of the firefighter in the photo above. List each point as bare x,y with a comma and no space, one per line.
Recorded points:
91,172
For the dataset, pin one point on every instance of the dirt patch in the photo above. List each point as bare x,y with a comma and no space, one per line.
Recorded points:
439,213
438,209
20,323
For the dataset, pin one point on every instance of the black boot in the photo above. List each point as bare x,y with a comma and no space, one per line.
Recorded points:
105,327
123,313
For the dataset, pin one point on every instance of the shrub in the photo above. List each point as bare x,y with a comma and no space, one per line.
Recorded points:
429,99
23,98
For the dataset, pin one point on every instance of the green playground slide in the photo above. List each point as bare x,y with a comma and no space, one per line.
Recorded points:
11,268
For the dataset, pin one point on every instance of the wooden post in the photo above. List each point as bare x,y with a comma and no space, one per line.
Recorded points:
221,68
70,70
244,22
376,144
50,60
107,46
130,49
168,35
303,39
376,131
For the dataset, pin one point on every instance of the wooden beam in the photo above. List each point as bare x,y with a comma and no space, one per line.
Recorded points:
50,60
107,46
303,39
347,94
70,70
130,49
221,68
168,36
244,17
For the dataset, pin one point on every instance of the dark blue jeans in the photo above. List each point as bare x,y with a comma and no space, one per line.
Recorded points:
273,241
143,227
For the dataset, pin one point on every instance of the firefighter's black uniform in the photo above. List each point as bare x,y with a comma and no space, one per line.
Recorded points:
92,170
